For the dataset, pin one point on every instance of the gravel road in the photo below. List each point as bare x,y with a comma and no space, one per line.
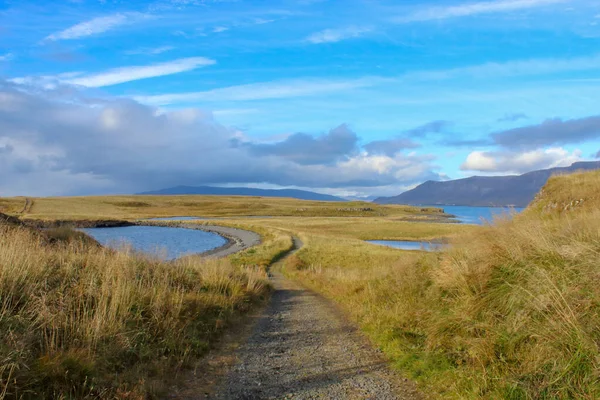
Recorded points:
300,348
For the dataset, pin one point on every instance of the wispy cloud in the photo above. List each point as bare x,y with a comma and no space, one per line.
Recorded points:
151,50
94,26
315,86
336,35
476,8
6,57
536,66
262,91
126,74
218,29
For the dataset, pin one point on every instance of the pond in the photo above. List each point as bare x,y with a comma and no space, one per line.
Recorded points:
408,245
166,243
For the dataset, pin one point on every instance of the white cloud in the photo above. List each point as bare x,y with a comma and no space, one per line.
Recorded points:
132,73
316,86
260,91
220,29
6,57
151,50
336,35
476,8
506,162
94,26
128,147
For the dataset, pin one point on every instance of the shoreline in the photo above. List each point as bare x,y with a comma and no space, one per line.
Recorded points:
236,239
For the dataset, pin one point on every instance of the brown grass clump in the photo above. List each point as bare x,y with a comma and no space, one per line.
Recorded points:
511,311
80,321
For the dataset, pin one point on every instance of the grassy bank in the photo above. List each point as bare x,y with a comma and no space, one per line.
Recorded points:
80,321
510,311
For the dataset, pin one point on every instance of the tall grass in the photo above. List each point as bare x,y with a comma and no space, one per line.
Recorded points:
510,311
81,321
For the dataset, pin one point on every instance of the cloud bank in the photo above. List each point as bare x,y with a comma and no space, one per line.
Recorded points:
519,162
61,141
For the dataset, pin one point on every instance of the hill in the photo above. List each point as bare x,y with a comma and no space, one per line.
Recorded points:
241,191
516,190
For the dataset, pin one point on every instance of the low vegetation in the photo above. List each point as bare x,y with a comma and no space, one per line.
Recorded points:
81,321
510,311
134,207
275,244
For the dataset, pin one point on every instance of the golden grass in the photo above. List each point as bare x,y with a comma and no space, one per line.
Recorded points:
81,321
133,207
275,244
378,228
510,311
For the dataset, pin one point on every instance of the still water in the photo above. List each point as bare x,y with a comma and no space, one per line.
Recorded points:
166,243
408,245
478,215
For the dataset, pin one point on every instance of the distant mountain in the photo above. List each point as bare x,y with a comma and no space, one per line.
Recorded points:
516,190
241,191
361,198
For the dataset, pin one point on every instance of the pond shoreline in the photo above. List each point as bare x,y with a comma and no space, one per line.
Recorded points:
236,239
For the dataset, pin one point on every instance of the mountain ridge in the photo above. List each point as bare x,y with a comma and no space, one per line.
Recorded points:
484,191
242,191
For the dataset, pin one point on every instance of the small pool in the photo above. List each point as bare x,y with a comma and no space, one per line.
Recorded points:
409,245
165,243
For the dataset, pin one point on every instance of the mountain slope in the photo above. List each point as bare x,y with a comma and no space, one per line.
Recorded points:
516,190
241,191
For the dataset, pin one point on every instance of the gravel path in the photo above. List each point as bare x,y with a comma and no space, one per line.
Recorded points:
237,239
301,348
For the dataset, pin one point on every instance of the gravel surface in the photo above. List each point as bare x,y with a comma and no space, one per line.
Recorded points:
300,347
237,239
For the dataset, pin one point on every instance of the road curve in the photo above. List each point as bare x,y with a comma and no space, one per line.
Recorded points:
237,239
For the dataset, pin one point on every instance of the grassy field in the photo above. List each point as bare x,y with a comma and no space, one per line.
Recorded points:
134,207
510,311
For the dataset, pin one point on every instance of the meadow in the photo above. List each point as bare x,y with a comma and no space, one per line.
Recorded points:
510,310
136,207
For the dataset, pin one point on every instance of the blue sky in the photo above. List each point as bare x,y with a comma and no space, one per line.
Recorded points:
361,97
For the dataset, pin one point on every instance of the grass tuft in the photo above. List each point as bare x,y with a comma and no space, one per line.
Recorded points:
81,321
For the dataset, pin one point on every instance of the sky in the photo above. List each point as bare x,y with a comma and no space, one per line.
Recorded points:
352,98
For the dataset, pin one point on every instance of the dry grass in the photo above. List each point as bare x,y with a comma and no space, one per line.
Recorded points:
133,207
377,228
275,244
511,311
80,321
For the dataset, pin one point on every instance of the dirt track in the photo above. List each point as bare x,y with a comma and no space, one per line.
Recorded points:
300,348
